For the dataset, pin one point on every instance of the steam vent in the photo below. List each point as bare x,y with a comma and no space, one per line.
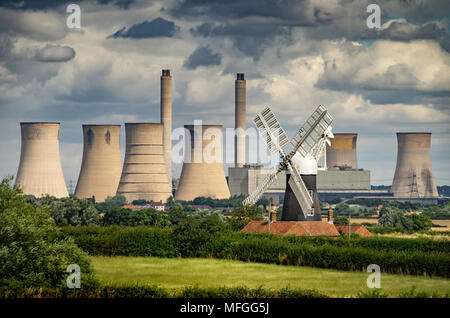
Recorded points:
144,174
203,176
413,176
101,166
342,151
40,170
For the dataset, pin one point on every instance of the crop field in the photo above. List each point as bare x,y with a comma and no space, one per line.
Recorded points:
176,273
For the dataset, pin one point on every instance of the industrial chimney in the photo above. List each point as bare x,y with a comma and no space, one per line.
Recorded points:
166,119
40,170
144,174
240,118
342,151
413,176
101,165
202,174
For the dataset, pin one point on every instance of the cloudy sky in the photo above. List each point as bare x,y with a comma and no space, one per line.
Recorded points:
295,56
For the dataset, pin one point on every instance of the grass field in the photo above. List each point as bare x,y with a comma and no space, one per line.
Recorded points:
176,273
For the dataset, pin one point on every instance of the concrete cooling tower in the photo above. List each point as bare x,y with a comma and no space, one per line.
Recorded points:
40,169
202,174
342,151
144,174
166,119
101,166
240,117
413,176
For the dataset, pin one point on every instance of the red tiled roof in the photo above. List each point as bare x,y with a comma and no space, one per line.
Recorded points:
358,229
316,228
130,206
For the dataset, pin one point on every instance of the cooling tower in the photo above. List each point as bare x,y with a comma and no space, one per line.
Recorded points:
413,176
240,117
342,151
101,166
40,169
202,174
144,174
166,119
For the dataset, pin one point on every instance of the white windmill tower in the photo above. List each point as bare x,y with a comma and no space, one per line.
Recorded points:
300,164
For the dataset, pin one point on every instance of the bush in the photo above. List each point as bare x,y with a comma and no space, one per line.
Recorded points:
191,236
392,217
241,216
420,222
127,217
341,220
74,211
32,251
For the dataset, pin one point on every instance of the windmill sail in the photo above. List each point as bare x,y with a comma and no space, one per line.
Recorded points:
300,191
271,130
262,187
311,132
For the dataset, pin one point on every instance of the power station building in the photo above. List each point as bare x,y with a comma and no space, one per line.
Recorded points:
144,173
202,174
101,166
40,170
413,177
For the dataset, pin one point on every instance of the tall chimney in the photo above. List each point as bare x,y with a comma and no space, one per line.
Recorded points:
166,119
40,170
342,151
240,118
413,176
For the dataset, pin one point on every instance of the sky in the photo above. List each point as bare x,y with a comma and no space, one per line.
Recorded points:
296,55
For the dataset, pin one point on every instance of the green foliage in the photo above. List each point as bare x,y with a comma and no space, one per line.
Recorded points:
177,214
111,203
341,220
235,201
138,291
420,222
392,217
127,217
243,215
210,238
31,251
140,202
74,211
191,236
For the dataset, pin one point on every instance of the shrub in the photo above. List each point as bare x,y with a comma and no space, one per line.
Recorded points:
341,220
32,253
420,222
241,216
74,211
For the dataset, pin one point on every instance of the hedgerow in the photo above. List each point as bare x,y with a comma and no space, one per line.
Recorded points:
394,255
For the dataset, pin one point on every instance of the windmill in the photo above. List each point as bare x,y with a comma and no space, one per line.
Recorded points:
308,146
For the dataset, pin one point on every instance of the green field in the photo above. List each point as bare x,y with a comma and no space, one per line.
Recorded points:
175,273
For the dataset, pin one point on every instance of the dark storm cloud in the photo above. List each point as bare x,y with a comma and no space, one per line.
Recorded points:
55,53
50,4
248,38
202,56
156,28
404,31
292,12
